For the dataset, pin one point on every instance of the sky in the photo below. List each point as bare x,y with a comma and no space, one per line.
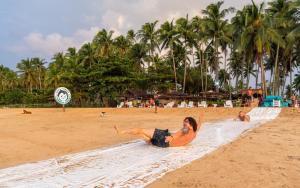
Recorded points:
40,28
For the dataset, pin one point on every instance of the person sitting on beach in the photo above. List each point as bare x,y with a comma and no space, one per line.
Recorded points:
243,117
163,138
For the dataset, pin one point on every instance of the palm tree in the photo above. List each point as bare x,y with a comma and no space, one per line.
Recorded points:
103,42
216,26
122,44
138,53
149,36
282,13
27,72
259,35
55,70
170,37
236,67
8,78
201,47
186,34
39,70
87,55
296,83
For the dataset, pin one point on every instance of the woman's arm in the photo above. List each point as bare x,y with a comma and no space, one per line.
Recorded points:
200,120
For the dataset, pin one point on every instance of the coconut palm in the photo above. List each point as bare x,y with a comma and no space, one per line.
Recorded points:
296,83
260,35
55,71
40,70
170,37
87,55
103,42
148,35
186,34
215,26
26,68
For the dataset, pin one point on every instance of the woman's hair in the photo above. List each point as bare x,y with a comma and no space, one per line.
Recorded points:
192,122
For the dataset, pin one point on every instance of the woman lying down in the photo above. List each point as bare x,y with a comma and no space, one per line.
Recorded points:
163,138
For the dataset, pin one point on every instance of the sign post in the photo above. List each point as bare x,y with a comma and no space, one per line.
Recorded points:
62,96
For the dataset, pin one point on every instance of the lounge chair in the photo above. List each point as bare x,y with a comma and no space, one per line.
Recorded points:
203,104
191,104
228,104
121,105
182,105
129,104
170,105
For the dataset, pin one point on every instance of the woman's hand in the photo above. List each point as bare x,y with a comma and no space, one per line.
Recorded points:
169,139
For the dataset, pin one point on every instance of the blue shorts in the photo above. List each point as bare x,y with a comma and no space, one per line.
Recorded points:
159,137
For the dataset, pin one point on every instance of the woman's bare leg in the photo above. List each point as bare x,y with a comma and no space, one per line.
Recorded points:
146,134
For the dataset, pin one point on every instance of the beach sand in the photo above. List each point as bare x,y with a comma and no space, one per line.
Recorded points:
48,133
269,156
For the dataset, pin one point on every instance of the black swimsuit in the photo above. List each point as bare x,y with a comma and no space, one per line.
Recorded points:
159,138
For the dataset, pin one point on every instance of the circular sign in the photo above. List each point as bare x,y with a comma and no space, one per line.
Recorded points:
62,95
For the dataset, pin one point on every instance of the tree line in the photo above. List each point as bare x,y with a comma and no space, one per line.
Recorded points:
187,55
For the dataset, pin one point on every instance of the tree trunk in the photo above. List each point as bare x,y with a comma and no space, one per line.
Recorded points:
276,74
184,76
206,82
174,68
40,81
248,74
201,64
256,77
283,84
236,82
291,77
216,59
263,79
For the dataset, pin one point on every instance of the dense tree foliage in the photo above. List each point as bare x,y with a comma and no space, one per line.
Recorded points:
188,55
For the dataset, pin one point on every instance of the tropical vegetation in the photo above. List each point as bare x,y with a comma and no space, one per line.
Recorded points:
260,44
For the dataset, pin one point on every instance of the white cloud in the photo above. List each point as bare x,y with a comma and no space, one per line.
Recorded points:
117,15
47,45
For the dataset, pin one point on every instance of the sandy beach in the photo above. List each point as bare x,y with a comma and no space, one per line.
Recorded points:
268,156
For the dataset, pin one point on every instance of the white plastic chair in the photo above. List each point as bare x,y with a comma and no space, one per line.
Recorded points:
203,104
182,105
170,105
276,103
120,105
191,104
130,104
228,104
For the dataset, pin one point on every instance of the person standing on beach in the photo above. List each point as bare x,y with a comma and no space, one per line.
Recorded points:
156,102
